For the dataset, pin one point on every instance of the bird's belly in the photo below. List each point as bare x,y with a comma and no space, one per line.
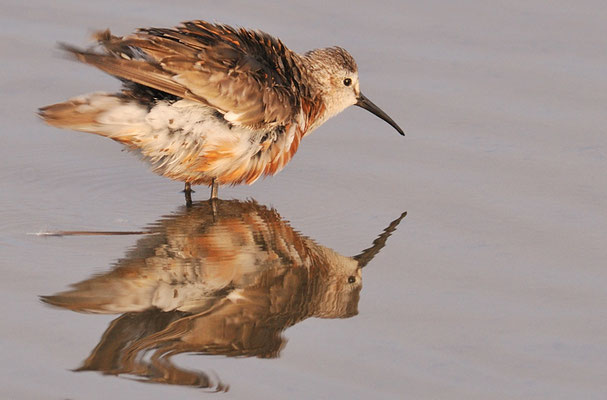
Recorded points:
191,142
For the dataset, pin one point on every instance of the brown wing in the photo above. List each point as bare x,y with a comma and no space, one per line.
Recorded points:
249,76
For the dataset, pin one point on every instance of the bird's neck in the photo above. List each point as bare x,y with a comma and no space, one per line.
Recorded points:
319,107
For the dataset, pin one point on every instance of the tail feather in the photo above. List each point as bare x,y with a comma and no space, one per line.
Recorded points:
99,113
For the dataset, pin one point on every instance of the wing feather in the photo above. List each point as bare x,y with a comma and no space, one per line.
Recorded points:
247,75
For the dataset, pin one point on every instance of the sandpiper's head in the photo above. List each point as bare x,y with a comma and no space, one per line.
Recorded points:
337,73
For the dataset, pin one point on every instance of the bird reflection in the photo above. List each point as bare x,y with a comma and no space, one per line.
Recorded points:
222,278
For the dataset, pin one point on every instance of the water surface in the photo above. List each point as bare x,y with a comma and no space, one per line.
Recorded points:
493,286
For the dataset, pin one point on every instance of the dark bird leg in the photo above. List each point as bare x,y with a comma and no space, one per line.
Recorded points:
214,189
213,198
188,194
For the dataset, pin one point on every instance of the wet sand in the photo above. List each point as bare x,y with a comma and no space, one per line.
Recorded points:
493,286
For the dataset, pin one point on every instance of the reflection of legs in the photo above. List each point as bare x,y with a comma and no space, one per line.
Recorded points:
188,194
214,188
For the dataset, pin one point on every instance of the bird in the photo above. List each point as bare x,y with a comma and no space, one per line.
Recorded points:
209,104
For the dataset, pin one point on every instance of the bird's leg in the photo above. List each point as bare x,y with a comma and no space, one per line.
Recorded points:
213,199
188,194
214,189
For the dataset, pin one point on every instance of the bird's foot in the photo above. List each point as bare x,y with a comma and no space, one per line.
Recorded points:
188,194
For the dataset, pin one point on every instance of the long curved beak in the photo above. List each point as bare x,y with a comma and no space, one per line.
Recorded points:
368,105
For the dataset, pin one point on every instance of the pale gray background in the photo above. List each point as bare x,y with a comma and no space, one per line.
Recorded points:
493,287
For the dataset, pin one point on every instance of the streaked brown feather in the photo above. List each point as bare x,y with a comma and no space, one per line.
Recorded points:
249,74
141,72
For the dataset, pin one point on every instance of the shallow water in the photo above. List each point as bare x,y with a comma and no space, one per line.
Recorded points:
493,286
223,278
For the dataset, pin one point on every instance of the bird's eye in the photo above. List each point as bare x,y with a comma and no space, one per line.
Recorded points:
351,279
347,81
